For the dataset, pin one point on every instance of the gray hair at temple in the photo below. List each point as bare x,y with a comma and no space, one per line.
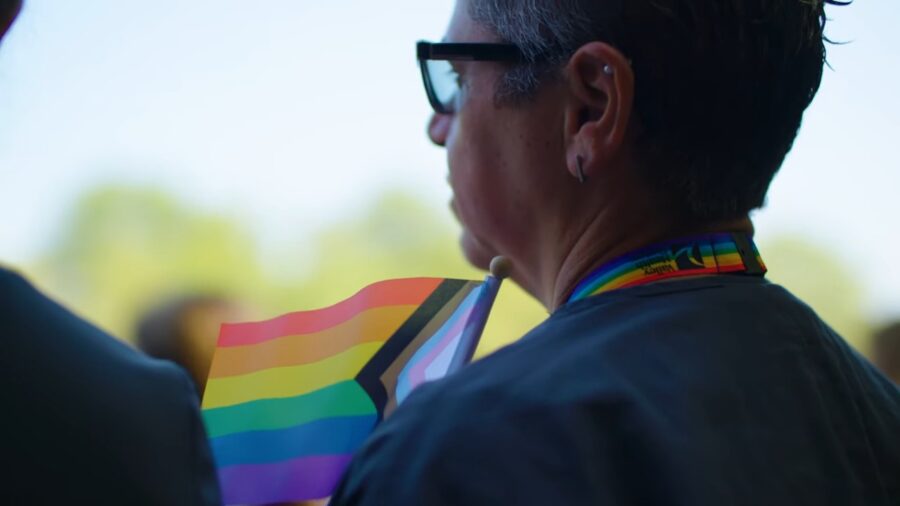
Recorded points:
720,85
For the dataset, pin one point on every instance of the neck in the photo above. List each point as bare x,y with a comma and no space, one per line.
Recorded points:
599,242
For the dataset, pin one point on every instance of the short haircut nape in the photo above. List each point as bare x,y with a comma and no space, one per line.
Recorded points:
720,85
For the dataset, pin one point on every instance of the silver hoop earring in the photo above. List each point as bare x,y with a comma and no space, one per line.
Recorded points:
579,161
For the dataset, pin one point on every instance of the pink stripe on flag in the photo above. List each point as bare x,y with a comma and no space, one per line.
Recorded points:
417,373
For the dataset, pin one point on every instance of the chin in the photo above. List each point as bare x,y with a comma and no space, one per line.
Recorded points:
475,251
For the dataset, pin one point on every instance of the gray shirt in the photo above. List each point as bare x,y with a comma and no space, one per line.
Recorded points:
718,391
87,420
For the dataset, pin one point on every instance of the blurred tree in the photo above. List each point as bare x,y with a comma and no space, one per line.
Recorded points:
123,249
821,280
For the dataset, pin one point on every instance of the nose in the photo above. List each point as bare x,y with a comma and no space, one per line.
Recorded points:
439,128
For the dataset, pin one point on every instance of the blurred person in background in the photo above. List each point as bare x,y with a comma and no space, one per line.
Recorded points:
184,330
87,419
613,151
886,351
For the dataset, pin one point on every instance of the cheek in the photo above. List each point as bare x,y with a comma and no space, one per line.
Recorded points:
498,160
486,194
475,165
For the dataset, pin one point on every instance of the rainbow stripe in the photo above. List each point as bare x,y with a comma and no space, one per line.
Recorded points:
290,400
696,256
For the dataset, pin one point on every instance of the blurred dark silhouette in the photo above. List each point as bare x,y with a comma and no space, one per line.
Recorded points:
87,419
886,351
184,330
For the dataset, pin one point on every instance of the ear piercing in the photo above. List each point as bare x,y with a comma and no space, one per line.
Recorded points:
579,161
607,70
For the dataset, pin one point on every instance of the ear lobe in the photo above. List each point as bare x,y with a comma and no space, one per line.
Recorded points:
601,84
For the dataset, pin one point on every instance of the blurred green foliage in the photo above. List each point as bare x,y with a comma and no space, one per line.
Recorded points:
124,249
824,282
121,249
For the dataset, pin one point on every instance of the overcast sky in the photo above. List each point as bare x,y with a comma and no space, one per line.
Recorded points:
292,113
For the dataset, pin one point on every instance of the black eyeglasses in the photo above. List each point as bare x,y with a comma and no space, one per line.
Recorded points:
440,78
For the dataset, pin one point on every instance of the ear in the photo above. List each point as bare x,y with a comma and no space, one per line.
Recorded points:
601,87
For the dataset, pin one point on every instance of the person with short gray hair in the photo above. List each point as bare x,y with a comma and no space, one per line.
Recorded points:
612,151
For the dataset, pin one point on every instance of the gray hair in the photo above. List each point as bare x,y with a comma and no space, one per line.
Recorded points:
547,32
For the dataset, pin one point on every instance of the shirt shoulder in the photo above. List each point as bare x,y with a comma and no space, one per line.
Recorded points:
55,352
465,449
669,380
65,377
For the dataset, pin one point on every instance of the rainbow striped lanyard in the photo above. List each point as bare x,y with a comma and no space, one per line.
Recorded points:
705,255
